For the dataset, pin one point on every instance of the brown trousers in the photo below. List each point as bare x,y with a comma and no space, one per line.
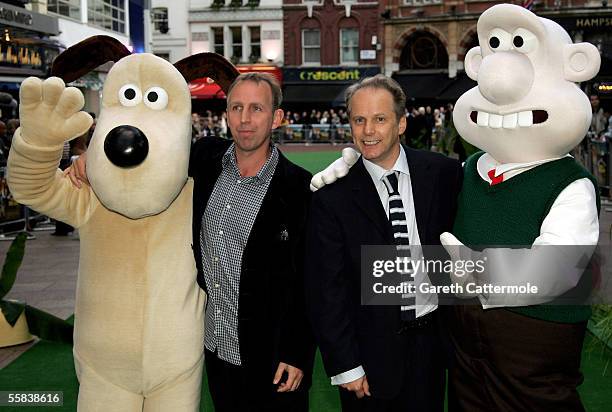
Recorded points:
509,362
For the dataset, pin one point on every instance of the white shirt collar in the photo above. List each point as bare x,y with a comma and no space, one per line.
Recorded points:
486,162
377,172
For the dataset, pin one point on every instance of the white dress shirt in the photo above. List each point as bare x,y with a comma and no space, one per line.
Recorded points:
424,303
572,220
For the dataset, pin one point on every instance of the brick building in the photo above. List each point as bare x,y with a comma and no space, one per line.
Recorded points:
329,44
425,41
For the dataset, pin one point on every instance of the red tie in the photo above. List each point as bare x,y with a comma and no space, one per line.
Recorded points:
495,180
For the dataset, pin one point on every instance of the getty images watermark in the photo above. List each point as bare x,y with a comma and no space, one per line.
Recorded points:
497,276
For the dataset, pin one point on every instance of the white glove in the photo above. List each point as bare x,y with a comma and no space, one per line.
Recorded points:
336,170
50,112
459,252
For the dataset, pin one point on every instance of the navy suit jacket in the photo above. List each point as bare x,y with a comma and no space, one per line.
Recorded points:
344,216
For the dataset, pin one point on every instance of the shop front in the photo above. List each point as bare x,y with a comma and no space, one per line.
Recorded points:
320,88
206,94
26,49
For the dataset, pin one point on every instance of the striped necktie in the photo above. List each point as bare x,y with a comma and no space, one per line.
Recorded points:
399,226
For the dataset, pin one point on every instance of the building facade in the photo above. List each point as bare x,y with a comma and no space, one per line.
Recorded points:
425,41
330,44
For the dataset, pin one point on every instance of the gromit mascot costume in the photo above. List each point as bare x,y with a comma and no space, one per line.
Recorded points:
139,313
527,196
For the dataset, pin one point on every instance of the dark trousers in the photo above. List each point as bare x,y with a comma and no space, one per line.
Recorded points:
505,361
423,383
232,390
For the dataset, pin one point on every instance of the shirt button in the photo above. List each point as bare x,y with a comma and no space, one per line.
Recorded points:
221,232
218,311
238,181
229,206
217,285
216,259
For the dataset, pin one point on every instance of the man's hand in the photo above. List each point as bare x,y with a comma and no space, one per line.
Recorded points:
359,386
294,377
77,171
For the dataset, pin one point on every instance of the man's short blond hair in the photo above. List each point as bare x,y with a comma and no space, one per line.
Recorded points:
270,80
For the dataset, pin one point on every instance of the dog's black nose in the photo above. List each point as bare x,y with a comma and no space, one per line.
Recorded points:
126,146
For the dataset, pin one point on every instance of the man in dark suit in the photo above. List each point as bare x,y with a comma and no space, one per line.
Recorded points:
249,211
384,358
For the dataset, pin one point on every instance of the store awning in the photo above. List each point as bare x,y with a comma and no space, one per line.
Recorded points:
206,88
423,86
459,85
329,94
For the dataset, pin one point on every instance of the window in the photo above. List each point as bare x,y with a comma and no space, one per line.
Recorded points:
421,2
255,44
349,46
108,14
218,39
236,43
311,46
68,8
160,19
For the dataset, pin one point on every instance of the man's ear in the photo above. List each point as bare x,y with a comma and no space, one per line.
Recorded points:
402,125
581,62
471,63
278,118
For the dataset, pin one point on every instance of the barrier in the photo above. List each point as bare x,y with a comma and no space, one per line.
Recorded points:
313,134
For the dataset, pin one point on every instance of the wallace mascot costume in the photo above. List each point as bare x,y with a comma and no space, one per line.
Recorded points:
527,209
139,314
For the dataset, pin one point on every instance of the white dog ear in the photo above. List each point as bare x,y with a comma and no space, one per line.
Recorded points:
581,61
471,63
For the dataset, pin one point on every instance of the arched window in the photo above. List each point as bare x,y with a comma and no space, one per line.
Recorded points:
423,51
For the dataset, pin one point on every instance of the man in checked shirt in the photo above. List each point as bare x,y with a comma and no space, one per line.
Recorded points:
250,206
249,212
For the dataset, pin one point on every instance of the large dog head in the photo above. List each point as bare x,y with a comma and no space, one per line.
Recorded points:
138,157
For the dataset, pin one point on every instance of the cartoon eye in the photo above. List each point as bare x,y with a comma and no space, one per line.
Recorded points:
524,41
130,95
156,98
499,40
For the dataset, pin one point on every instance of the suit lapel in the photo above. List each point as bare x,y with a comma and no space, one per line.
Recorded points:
367,200
421,180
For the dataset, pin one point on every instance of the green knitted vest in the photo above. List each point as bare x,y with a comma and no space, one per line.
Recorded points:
511,214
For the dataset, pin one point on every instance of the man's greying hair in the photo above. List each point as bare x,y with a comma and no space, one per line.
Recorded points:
380,81
277,94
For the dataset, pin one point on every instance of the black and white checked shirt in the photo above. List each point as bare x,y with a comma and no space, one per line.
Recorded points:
229,216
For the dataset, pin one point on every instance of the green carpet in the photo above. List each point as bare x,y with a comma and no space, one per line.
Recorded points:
49,366
315,161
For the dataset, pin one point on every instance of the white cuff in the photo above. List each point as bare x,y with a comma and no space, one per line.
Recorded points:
348,376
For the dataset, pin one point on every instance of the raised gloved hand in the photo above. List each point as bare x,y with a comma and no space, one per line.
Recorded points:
336,170
50,112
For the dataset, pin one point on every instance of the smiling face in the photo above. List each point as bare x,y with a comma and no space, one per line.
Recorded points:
375,127
251,117
526,106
